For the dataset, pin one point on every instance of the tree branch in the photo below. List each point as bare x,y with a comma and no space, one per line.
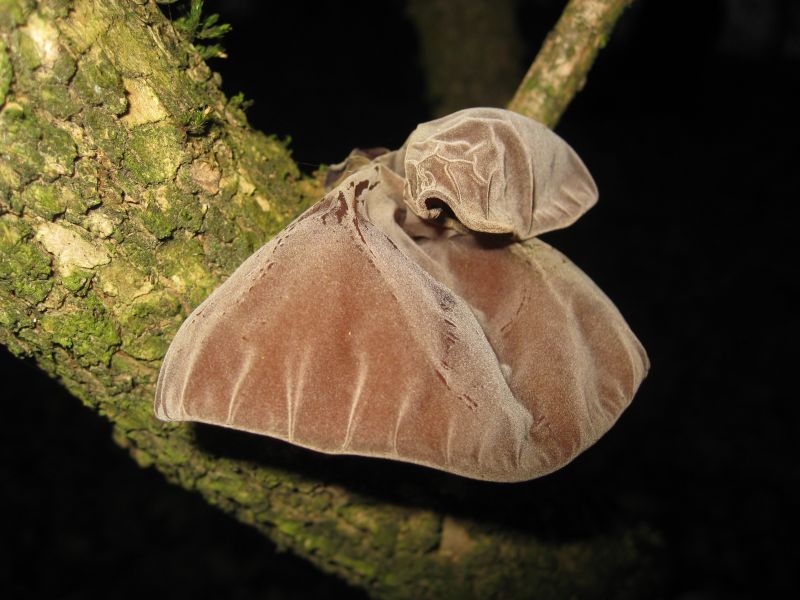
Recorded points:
130,187
560,68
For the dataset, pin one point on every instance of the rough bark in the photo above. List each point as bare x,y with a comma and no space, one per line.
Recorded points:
559,70
129,188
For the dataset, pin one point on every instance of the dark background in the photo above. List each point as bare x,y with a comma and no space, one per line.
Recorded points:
689,125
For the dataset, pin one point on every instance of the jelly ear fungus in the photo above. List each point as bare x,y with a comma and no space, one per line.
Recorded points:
411,314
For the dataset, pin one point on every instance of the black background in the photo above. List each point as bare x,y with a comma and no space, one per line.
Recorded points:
689,125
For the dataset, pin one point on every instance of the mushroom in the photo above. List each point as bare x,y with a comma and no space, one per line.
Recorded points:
411,314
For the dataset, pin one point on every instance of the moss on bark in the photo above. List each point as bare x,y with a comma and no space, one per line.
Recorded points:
120,210
563,63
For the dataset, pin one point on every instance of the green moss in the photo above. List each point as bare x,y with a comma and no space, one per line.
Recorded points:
98,83
6,72
44,200
77,282
228,185
12,317
63,68
106,132
236,107
80,192
228,256
11,342
13,231
147,347
365,568
189,216
84,327
125,375
154,152
421,533
267,161
146,311
139,248
58,151
389,580
123,280
55,99
38,57
385,537
196,120
16,204
148,323
24,269
14,12
9,180
264,223
230,486
38,47
176,452
158,222
26,53
54,8
195,29
184,262
220,226
169,209
37,342
19,138
289,528
426,576
363,517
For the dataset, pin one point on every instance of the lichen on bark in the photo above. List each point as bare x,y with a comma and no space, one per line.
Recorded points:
562,64
129,188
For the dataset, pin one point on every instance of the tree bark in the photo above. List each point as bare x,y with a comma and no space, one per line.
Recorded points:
129,188
560,68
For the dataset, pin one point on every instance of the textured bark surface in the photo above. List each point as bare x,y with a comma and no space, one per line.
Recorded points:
129,188
560,68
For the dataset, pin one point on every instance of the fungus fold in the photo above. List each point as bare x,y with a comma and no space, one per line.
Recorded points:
411,314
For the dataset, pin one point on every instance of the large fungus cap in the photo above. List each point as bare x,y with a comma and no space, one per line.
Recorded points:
380,324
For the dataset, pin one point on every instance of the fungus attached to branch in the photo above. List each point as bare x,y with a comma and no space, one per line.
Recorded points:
410,314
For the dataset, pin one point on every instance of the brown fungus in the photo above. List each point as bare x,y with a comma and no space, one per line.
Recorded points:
404,317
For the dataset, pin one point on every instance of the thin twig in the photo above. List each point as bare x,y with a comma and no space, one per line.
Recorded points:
559,70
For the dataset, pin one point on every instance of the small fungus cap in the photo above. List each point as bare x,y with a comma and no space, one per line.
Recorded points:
498,172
